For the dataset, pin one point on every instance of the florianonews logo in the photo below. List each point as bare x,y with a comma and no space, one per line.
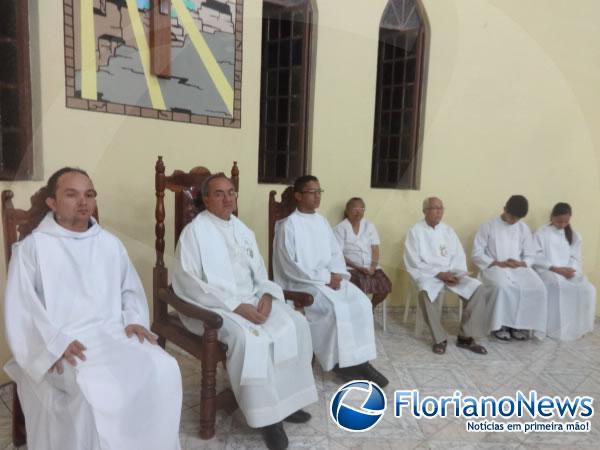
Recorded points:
361,418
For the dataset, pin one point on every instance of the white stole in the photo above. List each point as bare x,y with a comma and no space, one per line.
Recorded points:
278,330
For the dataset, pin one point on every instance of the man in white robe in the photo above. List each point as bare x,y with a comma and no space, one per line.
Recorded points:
307,257
435,259
218,266
571,297
89,373
504,252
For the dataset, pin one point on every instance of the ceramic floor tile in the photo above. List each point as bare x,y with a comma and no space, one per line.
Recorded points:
548,366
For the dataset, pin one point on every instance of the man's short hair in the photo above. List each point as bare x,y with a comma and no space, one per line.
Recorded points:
517,206
426,203
205,189
52,184
303,181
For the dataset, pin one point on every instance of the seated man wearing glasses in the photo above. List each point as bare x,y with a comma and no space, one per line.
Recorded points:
218,266
307,257
435,260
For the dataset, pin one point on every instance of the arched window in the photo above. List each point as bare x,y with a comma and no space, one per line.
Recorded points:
16,161
284,90
399,96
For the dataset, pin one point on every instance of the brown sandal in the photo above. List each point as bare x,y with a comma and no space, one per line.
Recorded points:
439,348
468,343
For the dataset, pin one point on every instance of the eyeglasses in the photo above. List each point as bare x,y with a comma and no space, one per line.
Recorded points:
357,209
313,191
220,195
441,208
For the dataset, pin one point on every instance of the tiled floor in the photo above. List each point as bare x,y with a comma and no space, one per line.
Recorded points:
550,367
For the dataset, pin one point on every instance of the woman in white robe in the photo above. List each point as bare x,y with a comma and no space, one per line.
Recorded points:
359,241
571,297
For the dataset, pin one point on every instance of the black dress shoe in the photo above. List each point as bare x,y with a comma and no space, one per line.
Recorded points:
374,375
275,437
348,373
298,417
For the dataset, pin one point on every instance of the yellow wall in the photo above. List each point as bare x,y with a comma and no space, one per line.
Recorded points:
512,98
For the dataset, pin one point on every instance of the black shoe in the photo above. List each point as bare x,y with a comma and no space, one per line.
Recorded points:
275,437
348,373
298,417
374,375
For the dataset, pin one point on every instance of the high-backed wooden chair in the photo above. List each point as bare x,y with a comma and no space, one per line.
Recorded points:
17,224
277,211
207,348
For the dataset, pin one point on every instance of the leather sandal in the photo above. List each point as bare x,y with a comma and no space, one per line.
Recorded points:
468,343
439,348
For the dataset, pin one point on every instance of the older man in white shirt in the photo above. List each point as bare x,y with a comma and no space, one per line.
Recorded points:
307,257
89,373
218,266
435,260
504,251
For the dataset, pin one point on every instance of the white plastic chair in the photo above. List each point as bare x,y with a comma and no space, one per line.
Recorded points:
384,313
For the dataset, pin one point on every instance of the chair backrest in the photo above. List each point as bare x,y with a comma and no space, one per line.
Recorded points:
188,203
277,211
17,224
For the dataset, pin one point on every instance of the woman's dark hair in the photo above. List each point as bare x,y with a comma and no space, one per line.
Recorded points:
560,209
349,202
53,180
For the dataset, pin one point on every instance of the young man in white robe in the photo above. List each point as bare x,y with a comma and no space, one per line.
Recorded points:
89,374
504,251
435,260
571,297
308,258
218,266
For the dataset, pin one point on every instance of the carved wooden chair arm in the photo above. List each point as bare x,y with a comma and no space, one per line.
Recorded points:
300,299
211,319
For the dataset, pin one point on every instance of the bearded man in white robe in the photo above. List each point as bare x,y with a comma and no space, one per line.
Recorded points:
435,259
89,374
307,257
218,266
504,251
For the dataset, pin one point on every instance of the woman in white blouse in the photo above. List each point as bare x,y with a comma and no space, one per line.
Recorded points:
359,241
571,297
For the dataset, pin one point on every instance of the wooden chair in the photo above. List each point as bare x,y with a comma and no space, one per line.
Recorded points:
278,211
207,348
17,224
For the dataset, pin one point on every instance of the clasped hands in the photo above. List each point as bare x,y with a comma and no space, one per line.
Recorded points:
335,281
76,349
566,272
256,314
367,270
448,278
509,264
